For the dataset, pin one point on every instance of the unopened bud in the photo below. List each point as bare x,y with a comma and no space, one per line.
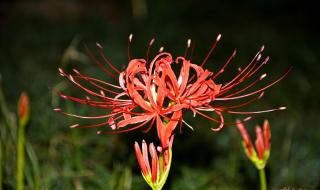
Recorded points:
23,108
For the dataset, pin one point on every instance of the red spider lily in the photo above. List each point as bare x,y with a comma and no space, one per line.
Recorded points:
150,91
262,144
155,174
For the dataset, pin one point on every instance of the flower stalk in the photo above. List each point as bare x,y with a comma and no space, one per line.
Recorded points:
263,180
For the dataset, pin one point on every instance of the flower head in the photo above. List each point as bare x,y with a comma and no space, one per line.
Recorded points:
149,91
259,155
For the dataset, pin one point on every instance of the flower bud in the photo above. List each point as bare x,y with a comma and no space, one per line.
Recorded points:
23,108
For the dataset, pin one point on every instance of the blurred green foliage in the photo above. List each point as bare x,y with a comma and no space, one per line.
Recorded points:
37,37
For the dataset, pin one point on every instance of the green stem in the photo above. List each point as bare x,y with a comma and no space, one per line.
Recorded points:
1,164
263,181
20,162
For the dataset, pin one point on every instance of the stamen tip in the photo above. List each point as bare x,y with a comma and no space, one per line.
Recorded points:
76,71
71,78
282,108
63,96
234,53
99,45
61,72
261,95
189,43
247,118
57,109
262,48
102,93
259,57
74,126
99,132
130,37
263,76
151,41
218,37
161,49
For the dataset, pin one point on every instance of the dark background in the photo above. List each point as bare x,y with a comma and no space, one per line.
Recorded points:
37,37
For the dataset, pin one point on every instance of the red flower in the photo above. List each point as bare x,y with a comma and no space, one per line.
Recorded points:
150,91
262,144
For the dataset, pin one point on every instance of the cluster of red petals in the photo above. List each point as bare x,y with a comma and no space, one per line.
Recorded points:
159,165
151,92
262,141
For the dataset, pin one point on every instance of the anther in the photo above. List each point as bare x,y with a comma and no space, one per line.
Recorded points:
262,94
57,109
64,96
189,43
99,45
61,72
102,93
262,76
266,60
161,49
74,126
247,118
130,37
259,57
218,37
282,108
234,53
151,42
76,71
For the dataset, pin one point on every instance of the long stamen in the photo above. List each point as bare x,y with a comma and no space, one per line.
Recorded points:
187,48
245,88
129,46
259,90
256,112
148,49
100,48
223,108
258,68
94,84
211,50
84,117
225,65
70,77
124,130
96,61
253,61
90,126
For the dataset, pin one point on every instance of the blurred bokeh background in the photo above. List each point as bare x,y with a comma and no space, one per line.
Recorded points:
38,36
